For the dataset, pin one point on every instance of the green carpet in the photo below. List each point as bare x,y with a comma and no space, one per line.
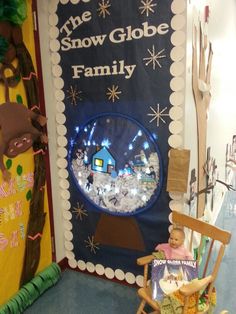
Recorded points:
78,293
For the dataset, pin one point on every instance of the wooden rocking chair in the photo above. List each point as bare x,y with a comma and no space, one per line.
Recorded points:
216,240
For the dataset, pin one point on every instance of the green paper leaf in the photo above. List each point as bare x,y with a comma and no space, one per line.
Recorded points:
4,45
17,78
29,195
8,164
19,170
19,99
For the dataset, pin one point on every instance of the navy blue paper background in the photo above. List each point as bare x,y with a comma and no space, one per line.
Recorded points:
146,87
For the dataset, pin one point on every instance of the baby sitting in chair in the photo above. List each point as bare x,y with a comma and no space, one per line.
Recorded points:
175,249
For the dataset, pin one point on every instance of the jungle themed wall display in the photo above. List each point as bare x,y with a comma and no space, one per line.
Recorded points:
25,242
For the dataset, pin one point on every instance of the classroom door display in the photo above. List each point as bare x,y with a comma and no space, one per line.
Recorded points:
117,75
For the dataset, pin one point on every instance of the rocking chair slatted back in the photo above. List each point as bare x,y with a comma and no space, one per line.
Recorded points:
215,235
201,227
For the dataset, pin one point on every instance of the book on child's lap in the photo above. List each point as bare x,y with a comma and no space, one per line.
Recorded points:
170,275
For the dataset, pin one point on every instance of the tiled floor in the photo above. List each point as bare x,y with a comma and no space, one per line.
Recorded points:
226,280
78,293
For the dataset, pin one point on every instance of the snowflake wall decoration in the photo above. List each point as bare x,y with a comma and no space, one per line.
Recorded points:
154,58
80,211
91,244
147,7
113,93
103,8
74,95
158,115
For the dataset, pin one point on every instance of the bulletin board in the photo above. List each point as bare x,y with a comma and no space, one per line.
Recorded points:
16,195
118,72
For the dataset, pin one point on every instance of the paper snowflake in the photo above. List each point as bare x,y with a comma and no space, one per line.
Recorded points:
154,57
74,95
80,211
113,93
103,8
91,244
158,115
147,7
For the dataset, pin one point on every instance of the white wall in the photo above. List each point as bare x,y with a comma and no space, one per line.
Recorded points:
222,113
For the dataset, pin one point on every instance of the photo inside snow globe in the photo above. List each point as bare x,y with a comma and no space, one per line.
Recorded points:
116,164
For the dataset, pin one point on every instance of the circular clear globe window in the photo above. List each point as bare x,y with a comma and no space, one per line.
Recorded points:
116,164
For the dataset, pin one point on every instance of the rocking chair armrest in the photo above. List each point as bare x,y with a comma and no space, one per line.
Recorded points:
195,286
141,261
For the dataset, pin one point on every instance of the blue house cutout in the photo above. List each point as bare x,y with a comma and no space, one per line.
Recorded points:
103,161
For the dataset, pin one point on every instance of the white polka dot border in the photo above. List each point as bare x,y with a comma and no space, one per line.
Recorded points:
72,263
178,22
55,58
178,38
59,95
62,163
177,53
65,194
99,269
67,215
64,184
175,141
176,113
130,278
81,265
177,83
109,273
58,84
119,274
177,98
177,196
63,173
60,107
70,255
62,152
57,70
178,6
54,45
139,280
68,235
90,267
177,68
176,127
67,225
65,205
62,141
61,130
53,32
52,6
53,19
69,246
176,205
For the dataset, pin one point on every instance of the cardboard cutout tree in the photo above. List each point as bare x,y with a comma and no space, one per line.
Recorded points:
201,73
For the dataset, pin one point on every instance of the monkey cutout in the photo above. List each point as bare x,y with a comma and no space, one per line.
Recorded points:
17,132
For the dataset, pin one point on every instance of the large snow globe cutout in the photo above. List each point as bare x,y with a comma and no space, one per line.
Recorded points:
116,164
